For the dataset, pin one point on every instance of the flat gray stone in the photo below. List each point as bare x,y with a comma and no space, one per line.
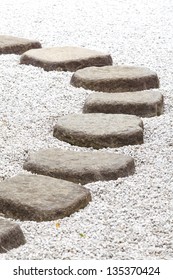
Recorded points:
11,236
41,198
65,58
115,78
147,103
99,130
11,44
80,167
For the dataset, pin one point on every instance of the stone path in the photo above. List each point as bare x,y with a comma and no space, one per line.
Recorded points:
11,44
147,103
99,130
115,78
65,58
11,236
41,198
109,120
80,167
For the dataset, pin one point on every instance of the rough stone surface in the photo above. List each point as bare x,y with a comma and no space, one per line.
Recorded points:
80,167
65,58
41,198
99,130
11,236
147,103
15,45
115,78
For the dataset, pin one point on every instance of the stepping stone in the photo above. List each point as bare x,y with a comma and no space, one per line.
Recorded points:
41,198
99,130
80,167
11,236
115,78
10,44
65,58
147,103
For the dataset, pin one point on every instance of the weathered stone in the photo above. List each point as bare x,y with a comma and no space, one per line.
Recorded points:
80,167
10,44
41,198
11,236
99,130
65,58
147,103
115,78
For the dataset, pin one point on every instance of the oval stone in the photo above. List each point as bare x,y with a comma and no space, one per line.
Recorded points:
115,78
146,103
65,58
99,130
80,167
15,45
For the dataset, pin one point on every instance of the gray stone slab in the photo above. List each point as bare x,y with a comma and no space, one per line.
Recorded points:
11,236
147,103
99,130
115,78
65,58
41,198
15,45
80,167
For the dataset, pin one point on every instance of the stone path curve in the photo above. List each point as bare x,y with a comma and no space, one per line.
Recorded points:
20,196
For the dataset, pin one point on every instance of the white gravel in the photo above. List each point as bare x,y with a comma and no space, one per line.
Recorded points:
131,218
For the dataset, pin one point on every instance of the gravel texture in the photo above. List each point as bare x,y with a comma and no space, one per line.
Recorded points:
130,218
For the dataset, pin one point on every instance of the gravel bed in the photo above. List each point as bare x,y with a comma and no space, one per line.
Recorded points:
130,218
